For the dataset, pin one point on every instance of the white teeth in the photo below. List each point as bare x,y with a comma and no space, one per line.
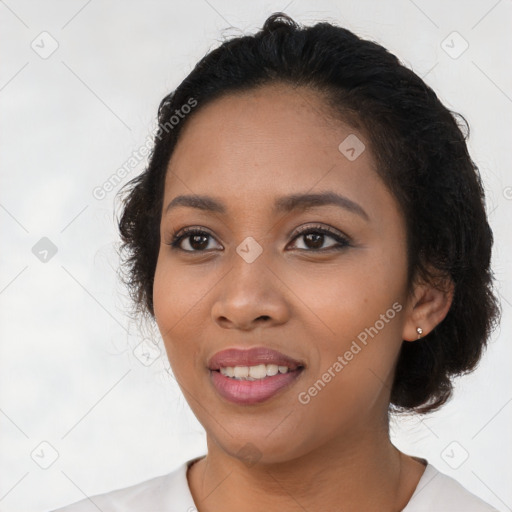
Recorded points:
241,371
272,369
257,372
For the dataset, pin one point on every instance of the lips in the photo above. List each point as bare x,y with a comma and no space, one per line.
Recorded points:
252,357
274,373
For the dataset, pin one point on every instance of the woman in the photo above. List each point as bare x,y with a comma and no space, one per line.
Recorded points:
310,237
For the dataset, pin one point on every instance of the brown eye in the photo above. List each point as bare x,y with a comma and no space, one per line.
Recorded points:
195,240
315,237
198,242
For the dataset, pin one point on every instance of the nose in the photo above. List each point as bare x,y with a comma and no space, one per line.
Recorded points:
249,296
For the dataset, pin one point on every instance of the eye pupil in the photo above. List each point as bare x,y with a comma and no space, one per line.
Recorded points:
201,245
316,238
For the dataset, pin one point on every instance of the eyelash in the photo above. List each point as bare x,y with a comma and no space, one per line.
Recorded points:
342,241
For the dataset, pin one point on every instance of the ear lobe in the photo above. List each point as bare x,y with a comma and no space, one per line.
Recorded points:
427,308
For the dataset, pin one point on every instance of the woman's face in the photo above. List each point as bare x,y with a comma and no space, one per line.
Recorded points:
332,297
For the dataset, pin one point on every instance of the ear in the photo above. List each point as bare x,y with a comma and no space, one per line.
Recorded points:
427,307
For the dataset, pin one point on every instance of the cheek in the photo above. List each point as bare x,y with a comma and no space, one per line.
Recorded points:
352,296
360,306
177,304
365,332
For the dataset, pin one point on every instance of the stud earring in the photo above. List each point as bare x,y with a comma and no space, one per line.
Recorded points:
419,330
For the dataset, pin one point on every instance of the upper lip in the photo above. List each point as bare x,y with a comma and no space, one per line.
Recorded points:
251,357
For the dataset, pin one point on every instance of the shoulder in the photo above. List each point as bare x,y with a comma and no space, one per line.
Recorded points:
442,493
161,493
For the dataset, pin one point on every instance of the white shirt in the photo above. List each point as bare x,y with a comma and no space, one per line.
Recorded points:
435,492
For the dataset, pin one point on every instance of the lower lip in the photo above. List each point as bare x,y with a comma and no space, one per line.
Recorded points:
248,392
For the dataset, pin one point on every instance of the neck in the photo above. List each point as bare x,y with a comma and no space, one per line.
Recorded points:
363,473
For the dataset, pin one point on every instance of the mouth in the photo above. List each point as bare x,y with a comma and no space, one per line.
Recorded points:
247,377
257,372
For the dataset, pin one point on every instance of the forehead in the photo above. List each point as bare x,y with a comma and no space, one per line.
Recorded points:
259,125
272,141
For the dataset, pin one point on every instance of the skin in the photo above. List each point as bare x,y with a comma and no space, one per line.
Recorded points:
300,297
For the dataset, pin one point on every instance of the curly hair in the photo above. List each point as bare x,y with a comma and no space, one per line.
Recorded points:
421,154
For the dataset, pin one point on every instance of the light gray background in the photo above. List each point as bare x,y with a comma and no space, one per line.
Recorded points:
70,378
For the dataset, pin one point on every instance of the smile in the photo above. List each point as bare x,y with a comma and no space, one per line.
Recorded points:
253,372
248,390
252,376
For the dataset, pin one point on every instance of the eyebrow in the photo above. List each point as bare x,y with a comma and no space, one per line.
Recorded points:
284,204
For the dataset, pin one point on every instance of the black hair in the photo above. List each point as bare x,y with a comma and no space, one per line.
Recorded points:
419,146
